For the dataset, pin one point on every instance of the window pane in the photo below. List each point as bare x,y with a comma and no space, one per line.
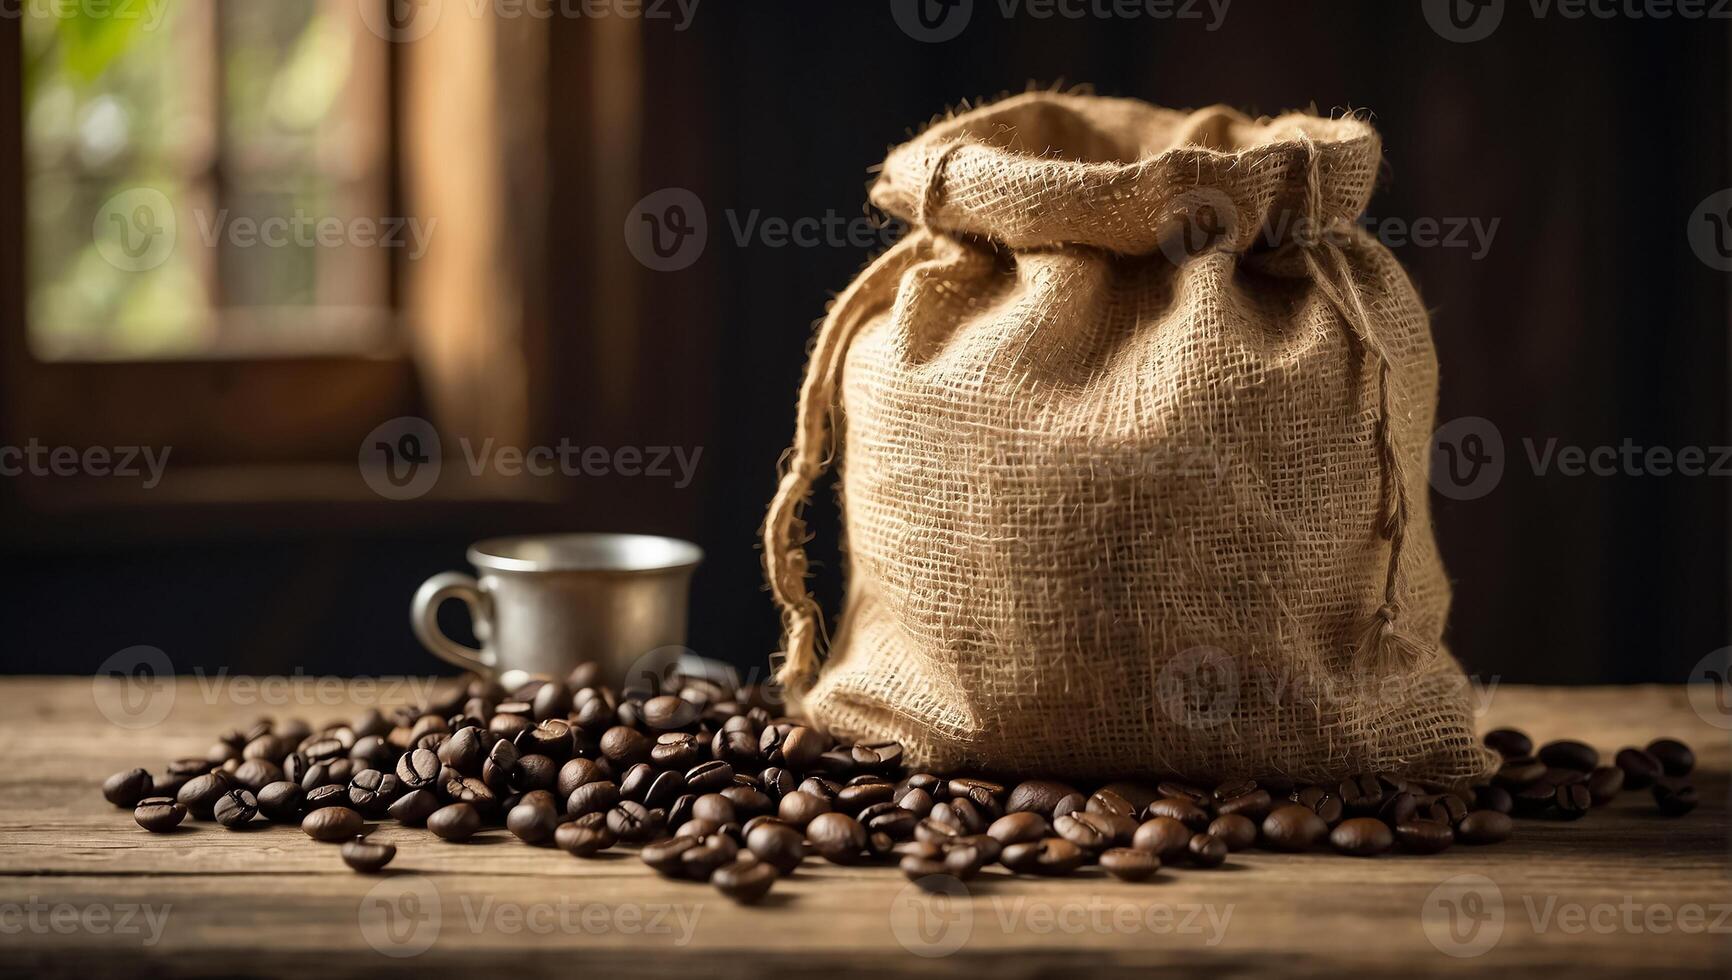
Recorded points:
203,184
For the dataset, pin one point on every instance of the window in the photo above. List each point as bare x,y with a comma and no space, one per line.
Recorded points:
207,179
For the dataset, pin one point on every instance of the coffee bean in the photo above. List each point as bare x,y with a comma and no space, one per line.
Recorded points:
1130,864
574,773
1675,757
1362,837
418,769
1492,798
365,857
801,747
256,774
799,808
1640,768
1048,856
854,798
281,801
125,789
236,808
584,839
1206,851
664,856
888,818
372,791
1447,809
1674,800
1509,743
1043,796
778,845
596,797
712,852
332,823
1254,805
709,777
1163,837
669,711
1424,836
1293,828
1484,827
463,751
158,814
1519,771
937,831
1605,783
1572,802
837,837
1322,802
1236,830
714,806
1018,828
1086,830
744,881
1110,803
1362,794
633,822
916,801
625,747
1138,795
455,822
414,807
534,821
1569,754
1534,799
748,801
200,794
1184,811
1184,791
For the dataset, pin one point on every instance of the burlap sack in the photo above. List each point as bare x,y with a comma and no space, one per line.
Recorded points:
1133,427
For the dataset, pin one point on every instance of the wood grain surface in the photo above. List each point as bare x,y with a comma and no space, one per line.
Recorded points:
84,890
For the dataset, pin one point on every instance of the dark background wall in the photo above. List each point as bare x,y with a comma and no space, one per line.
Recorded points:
1588,319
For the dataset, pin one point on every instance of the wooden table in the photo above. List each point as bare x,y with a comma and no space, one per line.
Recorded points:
84,890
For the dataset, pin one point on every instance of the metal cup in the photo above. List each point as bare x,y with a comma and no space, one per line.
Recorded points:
542,605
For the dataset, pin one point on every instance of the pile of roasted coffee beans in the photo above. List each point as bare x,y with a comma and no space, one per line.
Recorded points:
711,787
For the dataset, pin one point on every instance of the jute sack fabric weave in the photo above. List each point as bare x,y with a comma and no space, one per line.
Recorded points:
1133,430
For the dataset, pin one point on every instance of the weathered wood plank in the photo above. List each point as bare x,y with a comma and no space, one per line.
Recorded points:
269,900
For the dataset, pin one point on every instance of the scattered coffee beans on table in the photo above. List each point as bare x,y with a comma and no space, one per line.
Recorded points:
710,786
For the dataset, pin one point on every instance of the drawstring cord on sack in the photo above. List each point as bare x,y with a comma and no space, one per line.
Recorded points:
1384,647
785,563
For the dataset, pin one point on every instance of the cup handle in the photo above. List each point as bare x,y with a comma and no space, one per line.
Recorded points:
424,618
